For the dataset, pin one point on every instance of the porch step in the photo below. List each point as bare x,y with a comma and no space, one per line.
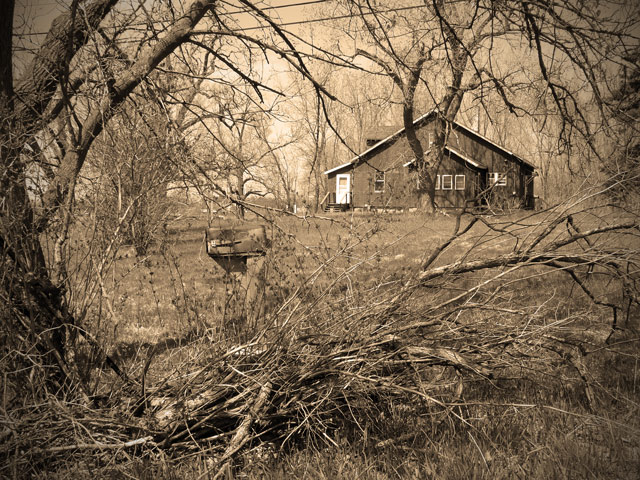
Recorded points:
336,207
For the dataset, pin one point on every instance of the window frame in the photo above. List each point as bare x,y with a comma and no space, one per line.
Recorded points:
498,179
443,184
377,181
455,182
438,184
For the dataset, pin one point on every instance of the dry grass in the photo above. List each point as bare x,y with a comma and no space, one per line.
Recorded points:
362,366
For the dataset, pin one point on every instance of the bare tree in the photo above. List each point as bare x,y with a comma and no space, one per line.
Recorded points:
281,173
328,133
446,51
314,131
332,351
622,169
33,288
138,160
241,147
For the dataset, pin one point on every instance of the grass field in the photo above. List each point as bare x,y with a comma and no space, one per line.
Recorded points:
504,371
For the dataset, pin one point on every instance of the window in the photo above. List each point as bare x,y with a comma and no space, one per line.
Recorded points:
378,184
437,182
460,181
447,182
498,179
431,136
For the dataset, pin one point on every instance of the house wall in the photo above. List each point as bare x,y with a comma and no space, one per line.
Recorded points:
400,189
454,197
400,182
514,193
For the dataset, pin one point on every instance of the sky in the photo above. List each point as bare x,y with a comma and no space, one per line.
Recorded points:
35,16
32,19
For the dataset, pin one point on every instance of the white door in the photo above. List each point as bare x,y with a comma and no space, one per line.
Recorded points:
343,186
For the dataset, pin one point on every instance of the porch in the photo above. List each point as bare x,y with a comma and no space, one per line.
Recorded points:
332,204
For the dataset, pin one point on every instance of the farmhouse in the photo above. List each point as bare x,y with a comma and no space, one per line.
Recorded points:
474,172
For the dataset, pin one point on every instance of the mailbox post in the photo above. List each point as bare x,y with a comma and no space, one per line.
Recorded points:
240,250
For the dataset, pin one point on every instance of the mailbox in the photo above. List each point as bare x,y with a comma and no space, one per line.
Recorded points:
236,241
239,250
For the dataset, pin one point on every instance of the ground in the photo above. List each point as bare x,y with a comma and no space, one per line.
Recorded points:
502,372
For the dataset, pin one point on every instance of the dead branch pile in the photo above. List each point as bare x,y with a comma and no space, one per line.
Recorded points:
341,362
301,388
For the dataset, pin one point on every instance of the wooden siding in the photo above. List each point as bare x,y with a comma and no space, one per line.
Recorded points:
513,194
400,181
474,182
399,188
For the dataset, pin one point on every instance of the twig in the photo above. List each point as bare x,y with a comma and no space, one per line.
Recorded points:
241,435
97,446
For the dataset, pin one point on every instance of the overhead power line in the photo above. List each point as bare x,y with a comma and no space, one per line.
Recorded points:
297,22
233,12
338,17
278,7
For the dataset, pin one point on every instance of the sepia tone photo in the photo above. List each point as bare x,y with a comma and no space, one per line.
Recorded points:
320,239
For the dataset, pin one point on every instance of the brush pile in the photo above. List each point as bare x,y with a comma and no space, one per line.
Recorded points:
352,358
305,381
296,382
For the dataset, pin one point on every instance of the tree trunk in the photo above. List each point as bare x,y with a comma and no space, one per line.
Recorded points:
36,309
427,201
426,192
35,304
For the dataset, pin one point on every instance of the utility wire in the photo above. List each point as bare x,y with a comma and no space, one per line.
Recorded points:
277,7
234,12
338,17
288,24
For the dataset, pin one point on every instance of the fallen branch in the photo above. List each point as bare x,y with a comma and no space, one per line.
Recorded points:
241,436
98,446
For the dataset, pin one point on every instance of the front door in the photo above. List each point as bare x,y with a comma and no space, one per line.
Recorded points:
343,187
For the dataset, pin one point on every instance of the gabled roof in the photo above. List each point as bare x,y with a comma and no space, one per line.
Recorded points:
463,157
417,122
339,167
378,132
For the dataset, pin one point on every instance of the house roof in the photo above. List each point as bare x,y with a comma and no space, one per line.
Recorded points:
450,150
339,167
417,121
381,131
466,158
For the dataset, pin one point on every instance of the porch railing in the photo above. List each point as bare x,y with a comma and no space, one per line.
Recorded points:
331,199
323,202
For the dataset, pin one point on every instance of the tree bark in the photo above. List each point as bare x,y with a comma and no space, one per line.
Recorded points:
35,301
35,304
